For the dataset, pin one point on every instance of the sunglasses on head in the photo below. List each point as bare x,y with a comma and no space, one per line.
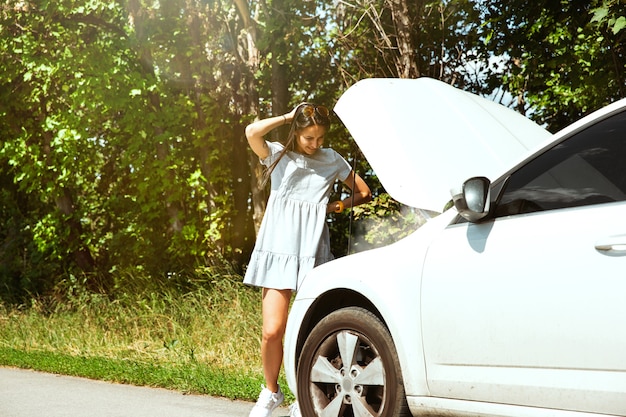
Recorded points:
309,109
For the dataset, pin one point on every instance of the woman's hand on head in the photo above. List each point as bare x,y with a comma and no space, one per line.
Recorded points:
290,116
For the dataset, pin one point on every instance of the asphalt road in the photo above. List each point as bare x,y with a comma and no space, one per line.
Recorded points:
25,393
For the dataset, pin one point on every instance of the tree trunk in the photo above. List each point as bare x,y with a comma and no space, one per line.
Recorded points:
280,84
249,53
280,95
406,64
243,231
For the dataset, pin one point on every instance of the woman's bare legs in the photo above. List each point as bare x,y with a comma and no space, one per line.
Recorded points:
275,310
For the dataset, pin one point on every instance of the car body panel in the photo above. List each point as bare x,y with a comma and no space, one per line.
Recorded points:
373,277
515,316
529,338
433,406
403,127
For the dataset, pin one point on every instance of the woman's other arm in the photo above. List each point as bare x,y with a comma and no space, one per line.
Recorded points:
361,193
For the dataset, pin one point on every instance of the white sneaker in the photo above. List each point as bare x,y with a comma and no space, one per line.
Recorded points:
294,410
267,402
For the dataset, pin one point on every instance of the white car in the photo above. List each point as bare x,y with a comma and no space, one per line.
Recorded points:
511,303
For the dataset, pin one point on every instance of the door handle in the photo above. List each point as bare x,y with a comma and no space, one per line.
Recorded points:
612,246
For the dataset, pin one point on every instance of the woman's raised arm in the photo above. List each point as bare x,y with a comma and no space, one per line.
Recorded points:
256,131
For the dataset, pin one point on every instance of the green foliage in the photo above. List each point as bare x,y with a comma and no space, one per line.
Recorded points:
121,123
563,59
380,222
610,15
443,35
115,161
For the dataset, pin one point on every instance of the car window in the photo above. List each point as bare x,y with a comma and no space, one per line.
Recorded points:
588,168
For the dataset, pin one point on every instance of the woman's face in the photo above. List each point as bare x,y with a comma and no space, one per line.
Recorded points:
310,139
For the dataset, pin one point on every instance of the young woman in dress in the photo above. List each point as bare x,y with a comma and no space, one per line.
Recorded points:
293,237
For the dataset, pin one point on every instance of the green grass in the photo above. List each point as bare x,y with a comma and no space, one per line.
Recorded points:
189,378
202,339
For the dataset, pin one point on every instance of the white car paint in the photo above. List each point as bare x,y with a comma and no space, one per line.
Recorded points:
437,134
523,332
398,281
478,335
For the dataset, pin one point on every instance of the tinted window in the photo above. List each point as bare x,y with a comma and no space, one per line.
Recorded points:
588,168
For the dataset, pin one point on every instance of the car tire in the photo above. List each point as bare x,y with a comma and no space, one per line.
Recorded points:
368,384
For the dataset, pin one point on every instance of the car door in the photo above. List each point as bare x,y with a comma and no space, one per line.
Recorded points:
529,307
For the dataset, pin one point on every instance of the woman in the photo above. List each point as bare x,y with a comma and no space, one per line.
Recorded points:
293,237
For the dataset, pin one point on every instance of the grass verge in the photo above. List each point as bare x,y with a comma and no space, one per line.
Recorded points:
194,378
202,339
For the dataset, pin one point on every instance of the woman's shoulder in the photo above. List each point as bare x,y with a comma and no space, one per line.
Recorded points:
275,146
331,154
339,163
275,149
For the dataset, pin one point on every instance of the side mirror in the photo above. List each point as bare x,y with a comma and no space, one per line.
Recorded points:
472,201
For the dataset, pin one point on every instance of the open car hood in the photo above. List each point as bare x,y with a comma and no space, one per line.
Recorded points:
423,137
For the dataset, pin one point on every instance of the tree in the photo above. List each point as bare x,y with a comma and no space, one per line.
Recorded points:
122,122
53,119
117,121
408,40
562,59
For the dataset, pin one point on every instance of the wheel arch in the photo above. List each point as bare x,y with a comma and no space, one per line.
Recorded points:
408,345
327,303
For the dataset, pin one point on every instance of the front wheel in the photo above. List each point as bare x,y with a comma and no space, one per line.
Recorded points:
349,368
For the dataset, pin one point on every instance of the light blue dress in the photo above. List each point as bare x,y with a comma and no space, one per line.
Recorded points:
293,237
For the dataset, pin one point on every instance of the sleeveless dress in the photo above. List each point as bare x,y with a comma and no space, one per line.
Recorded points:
293,237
